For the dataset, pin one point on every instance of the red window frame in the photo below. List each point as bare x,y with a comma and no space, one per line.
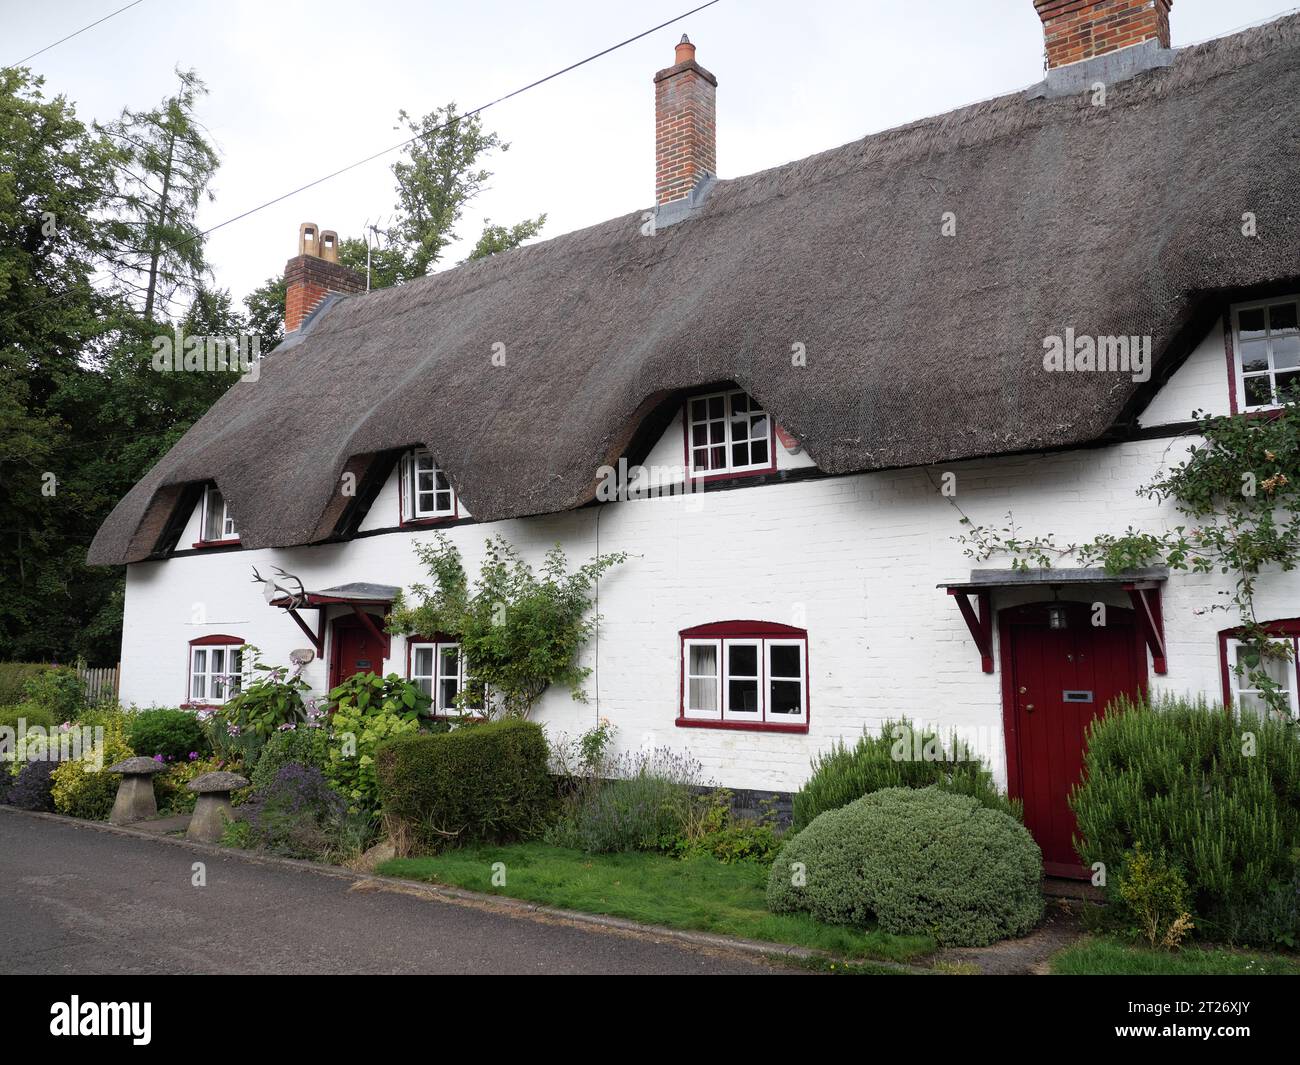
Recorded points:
1282,629
752,631
215,640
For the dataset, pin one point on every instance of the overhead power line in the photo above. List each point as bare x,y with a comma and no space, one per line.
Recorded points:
71,35
426,133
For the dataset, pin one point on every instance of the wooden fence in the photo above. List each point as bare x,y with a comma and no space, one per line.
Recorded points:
100,681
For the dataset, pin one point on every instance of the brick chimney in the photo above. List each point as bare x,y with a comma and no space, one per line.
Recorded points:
1082,29
686,142
313,273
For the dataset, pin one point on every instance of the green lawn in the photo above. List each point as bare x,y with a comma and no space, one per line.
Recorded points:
700,894
1095,956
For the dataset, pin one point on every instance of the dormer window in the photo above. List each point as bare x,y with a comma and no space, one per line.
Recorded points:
218,525
1266,342
426,492
727,432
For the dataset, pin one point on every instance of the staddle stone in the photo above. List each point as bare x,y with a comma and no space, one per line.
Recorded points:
135,800
213,809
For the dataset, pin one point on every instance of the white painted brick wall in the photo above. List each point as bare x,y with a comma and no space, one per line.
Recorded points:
860,556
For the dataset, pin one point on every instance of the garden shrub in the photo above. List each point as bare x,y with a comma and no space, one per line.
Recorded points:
81,790
169,786
58,689
14,677
175,734
646,806
890,760
485,783
29,712
1155,896
355,736
31,790
1218,794
918,861
304,744
714,830
272,699
369,693
296,814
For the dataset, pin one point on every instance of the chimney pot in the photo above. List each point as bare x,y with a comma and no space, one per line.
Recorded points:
685,50
314,273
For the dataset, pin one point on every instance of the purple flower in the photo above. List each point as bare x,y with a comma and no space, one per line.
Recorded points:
159,758
194,756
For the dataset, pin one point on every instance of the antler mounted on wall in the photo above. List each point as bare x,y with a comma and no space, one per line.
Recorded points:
271,590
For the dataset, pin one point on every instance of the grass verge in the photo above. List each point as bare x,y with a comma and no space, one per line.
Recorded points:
700,895
1102,956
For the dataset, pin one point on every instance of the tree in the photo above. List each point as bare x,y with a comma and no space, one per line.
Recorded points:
265,306
440,176
502,238
56,178
167,166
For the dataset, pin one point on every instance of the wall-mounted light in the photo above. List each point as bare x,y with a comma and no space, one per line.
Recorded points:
1056,618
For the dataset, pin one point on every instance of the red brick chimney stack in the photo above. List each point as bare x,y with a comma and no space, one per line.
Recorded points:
1083,29
685,125
313,273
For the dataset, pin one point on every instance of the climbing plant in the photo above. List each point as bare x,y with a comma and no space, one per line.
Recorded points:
520,631
1236,492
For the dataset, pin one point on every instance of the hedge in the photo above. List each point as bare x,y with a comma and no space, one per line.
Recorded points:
477,783
14,677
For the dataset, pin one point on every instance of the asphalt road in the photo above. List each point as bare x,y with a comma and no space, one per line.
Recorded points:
75,899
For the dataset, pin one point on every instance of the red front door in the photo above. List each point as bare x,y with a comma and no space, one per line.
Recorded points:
355,649
1056,680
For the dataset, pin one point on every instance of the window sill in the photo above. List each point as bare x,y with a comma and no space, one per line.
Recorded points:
419,523
741,726
217,543
191,705
731,475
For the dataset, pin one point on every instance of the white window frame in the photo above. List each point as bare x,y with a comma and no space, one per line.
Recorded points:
757,714
728,466
802,716
210,684
228,530
688,676
437,707
722,692
418,461
1238,367
1235,680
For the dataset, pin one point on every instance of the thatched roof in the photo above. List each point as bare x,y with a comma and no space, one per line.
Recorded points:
1123,219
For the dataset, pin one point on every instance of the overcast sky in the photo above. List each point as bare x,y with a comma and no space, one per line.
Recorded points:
301,87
